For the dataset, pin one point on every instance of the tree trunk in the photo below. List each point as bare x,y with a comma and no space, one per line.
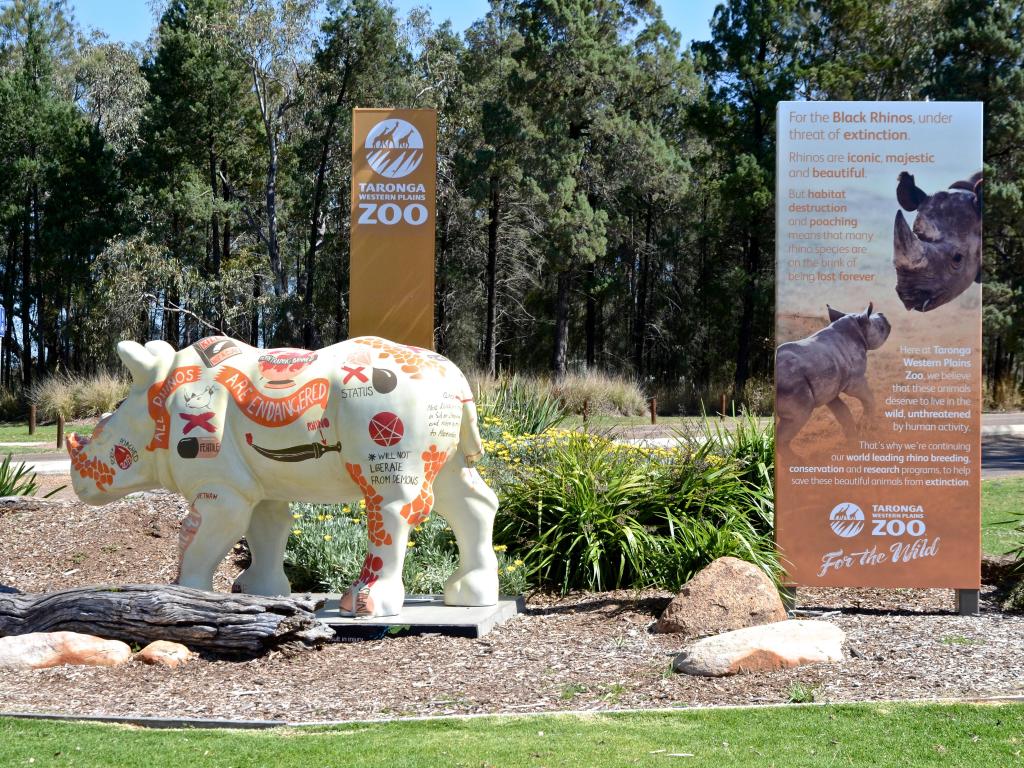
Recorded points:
493,222
441,290
558,359
211,622
642,289
226,191
254,328
590,323
218,301
743,348
273,246
6,363
26,295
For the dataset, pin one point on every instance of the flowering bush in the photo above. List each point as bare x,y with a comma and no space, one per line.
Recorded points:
328,543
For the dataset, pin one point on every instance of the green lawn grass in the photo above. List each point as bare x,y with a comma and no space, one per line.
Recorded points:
14,432
904,735
1002,508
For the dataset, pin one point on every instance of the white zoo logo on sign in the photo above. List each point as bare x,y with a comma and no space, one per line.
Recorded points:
846,519
394,148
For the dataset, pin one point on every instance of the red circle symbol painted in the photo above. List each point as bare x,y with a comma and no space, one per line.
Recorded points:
386,429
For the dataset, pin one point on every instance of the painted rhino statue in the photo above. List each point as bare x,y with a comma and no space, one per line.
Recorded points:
940,257
814,371
240,432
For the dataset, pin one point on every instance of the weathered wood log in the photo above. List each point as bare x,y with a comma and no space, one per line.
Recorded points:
209,622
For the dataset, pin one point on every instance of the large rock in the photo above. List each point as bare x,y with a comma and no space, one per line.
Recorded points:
762,649
38,650
165,653
728,594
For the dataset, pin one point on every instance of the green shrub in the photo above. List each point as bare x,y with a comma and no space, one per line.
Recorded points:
328,543
594,514
19,480
78,397
520,407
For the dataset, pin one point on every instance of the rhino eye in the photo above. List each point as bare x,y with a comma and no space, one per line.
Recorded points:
958,258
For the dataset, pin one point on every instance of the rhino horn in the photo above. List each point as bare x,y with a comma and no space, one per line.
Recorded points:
908,252
908,194
139,361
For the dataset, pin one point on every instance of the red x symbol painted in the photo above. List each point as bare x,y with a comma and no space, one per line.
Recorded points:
357,371
201,420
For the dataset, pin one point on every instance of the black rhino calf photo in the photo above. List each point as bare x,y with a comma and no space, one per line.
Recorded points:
813,372
940,257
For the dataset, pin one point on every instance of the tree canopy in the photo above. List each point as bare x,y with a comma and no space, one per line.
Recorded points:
605,194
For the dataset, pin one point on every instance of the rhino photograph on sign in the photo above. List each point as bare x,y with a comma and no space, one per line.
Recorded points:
878,327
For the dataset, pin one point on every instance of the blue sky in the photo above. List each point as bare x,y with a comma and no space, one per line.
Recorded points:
131,20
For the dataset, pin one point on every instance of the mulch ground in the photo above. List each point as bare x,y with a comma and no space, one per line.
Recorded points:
580,652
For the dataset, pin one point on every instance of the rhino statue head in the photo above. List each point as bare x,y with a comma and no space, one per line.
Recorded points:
940,257
114,461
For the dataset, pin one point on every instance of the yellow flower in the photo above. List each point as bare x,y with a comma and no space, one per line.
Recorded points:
362,503
329,518
297,515
296,531
518,562
411,544
321,518
500,547
327,537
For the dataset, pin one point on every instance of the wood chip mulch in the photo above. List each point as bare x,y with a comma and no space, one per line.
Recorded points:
580,652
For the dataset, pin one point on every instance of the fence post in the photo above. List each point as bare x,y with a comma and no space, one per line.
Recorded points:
654,410
586,410
31,419
60,432
721,413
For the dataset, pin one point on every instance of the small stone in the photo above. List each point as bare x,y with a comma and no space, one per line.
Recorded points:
40,650
165,653
762,649
728,594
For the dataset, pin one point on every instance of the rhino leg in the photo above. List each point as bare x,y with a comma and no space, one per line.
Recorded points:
842,414
267,537
379,590
860,390
469,506
218,519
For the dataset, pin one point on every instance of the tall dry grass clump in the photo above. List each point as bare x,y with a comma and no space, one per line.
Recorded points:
602,392
74,397
99,394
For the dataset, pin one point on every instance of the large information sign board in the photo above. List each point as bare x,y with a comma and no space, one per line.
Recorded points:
394,185
878,322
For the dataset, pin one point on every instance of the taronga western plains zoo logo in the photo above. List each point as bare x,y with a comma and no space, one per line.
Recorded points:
846,519
394,148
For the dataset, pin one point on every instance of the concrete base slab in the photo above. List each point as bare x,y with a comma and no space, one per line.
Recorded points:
422,614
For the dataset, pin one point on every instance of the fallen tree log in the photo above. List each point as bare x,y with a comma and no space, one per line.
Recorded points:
209,622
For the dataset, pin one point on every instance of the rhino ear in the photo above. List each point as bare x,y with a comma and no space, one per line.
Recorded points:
908,194
138,360
834,314
977,196
160,348
870,310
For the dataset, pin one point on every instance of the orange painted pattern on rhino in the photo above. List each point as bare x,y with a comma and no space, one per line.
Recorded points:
418,510
412,360
374,517
94,469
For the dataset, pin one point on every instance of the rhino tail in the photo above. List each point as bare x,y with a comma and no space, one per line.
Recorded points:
469,434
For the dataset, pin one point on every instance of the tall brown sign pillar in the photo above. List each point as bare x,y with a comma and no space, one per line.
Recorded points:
394,185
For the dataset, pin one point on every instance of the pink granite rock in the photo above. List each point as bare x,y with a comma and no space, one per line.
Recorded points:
762,649
165,653
39,650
